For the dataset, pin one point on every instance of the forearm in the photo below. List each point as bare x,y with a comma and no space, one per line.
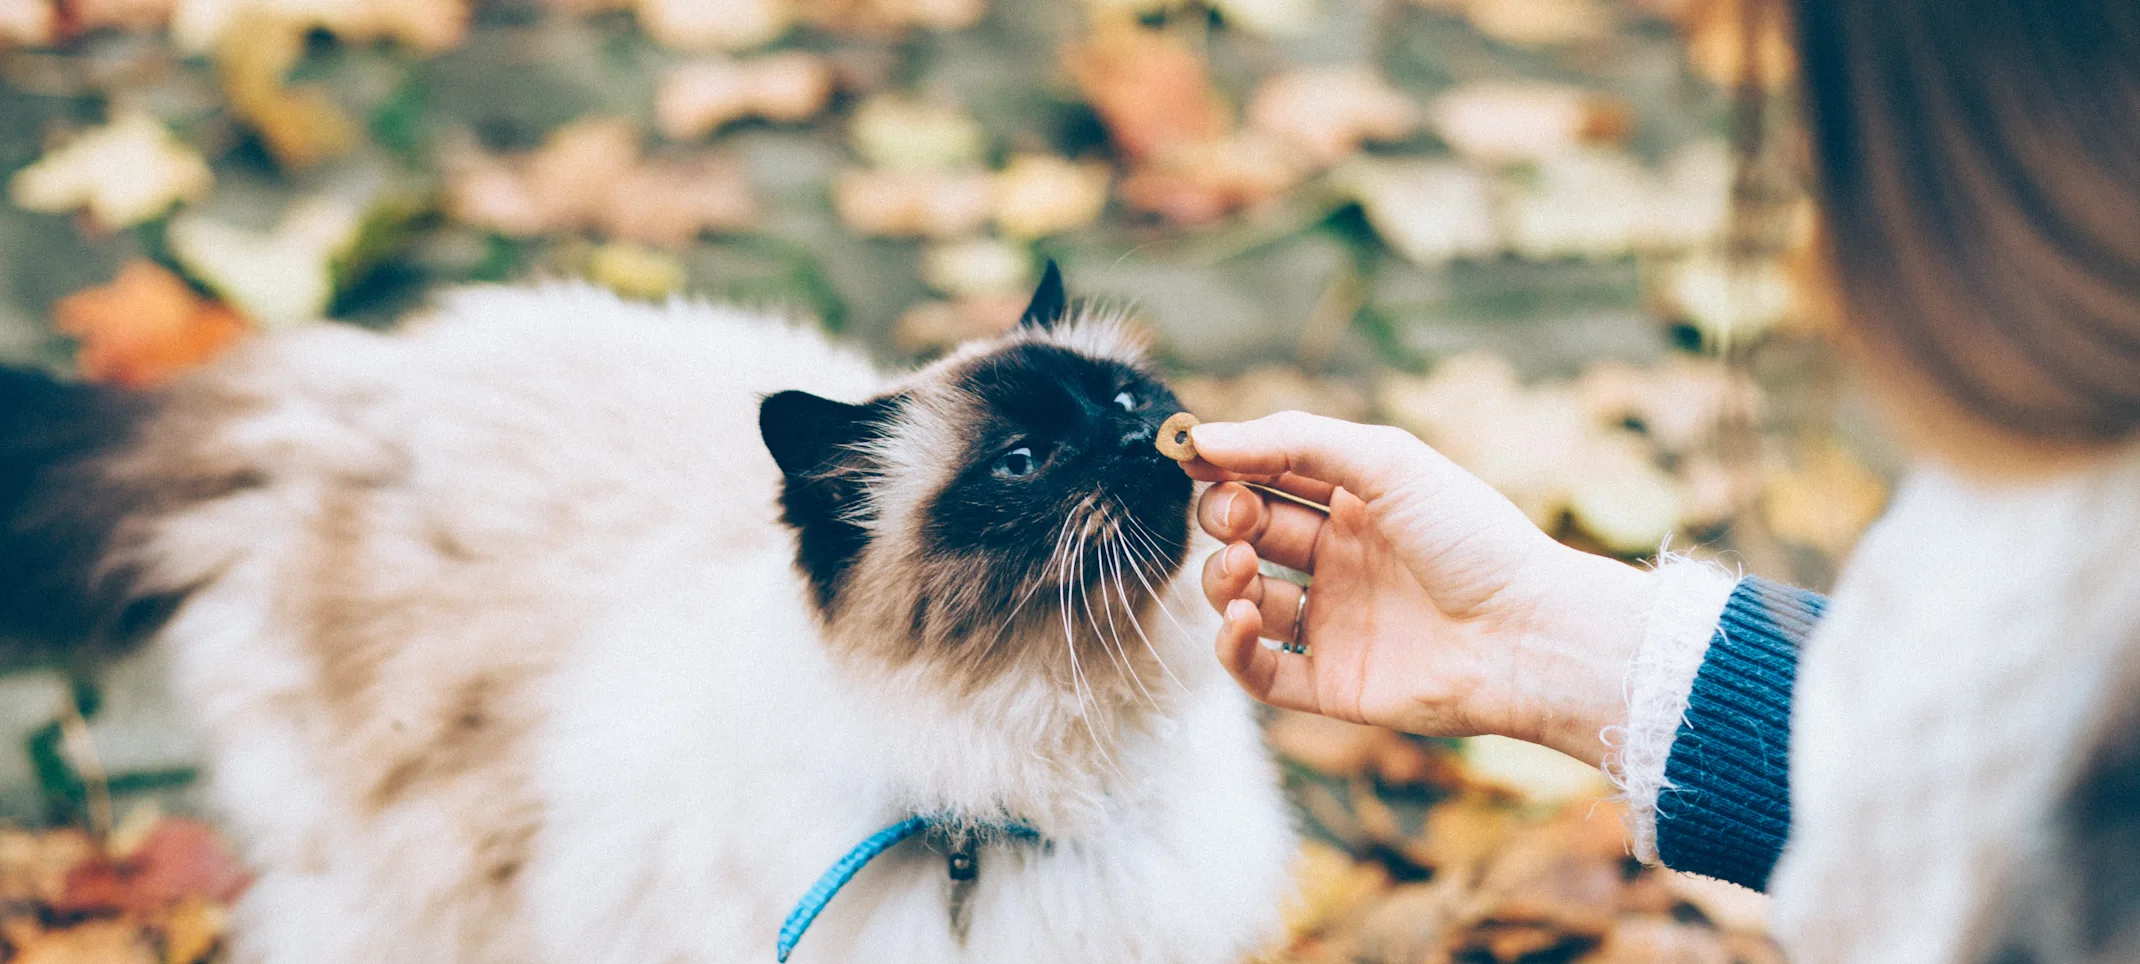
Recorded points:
1704,762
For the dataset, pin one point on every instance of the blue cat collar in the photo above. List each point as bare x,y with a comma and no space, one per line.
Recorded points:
843,870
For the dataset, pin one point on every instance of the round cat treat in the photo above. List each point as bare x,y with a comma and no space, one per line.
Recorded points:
1174,441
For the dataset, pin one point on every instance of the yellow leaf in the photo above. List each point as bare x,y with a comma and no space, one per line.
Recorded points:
905,132
1826,502
635,271
192,930
97,942
124,173
1040,194
280,277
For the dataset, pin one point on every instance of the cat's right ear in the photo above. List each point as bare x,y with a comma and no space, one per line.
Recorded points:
809,435
1049,303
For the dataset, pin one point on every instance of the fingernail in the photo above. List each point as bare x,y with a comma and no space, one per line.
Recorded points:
1214,432
1238,557
1226,561
1223,511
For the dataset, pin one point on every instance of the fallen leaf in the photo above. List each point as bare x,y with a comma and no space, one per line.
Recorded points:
136,15
698,98
1716,44
883,17
1152,92
1501,121
1826,501
977,266
300,125
1270,17
1540,23
1729,302
669,202
1328,112
183,859
1328,885
1429,211
1728,906
145,327
1266,389
1621,497
192,930
1585,203
1196,183
276,278
30,23
1533,773
34,866
124,173
1461,833
726,25
1679,402
96,942
912,203
429,26
589,175
635,271
897,131
935,325
1036,195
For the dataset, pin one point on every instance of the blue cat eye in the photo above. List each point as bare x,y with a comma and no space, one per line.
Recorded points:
1015,464
1127,401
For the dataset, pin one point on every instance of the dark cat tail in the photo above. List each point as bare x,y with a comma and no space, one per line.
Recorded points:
61,597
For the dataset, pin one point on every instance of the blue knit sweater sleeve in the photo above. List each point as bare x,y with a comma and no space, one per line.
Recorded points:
1726,808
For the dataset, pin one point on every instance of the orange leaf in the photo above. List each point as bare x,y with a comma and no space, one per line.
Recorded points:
145,327
1150,89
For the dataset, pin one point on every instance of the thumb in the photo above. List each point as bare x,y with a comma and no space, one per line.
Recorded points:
1367,460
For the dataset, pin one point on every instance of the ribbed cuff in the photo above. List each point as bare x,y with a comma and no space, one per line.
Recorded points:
1726,809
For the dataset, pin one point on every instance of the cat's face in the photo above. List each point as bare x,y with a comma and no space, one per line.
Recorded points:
1013,485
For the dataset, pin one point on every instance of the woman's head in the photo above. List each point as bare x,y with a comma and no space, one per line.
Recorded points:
1978,164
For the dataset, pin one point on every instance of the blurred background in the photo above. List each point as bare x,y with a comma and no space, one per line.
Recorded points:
1563,240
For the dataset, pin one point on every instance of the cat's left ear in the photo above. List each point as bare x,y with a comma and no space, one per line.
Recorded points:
1049,303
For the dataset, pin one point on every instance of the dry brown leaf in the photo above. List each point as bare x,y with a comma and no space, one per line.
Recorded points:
1716,43
696,99
1728,906
1415,924
669,202
1501,121
96,942
120,14
1540,23
1328,112
145,327
1036,195
1659,940
123,173
34,866
1150,89
1267,389
1827,501
590,175
30,23
430,26
726,25
300,125
882,17
912,203
1196,183
1328,885
935,325
1679,402
896,130
1462,832
192,930
1430,211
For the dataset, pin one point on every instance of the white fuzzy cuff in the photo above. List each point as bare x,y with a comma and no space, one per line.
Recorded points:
1682,621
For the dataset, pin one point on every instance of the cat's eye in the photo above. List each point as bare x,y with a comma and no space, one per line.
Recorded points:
1015,464
1127,401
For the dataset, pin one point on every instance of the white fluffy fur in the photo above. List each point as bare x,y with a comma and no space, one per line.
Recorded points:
568,503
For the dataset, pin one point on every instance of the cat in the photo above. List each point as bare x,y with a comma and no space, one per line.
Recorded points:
551,627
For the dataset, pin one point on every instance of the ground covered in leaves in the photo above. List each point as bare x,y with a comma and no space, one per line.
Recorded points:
1538,233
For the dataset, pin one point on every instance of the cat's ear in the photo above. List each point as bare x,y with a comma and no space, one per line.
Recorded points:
808,434
1049,302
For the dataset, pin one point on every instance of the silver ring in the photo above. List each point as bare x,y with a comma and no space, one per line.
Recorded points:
1299,644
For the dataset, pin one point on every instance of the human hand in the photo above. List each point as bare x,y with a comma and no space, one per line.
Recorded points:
1438,608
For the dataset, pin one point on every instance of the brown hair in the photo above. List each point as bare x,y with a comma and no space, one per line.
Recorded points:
1978,166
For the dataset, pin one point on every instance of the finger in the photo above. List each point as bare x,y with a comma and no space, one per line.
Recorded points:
1280,531
1281,679
1229,575
1278,601
1369,460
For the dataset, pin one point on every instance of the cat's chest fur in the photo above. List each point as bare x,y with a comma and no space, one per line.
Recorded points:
505,658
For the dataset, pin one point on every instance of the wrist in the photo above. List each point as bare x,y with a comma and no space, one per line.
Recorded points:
1571,669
